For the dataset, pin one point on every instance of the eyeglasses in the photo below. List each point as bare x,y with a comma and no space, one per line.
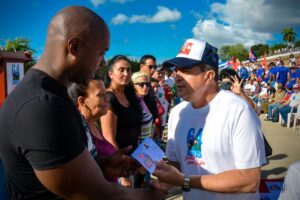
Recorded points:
143,84
151,66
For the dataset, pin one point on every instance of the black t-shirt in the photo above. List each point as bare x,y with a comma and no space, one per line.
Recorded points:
40,128
128,122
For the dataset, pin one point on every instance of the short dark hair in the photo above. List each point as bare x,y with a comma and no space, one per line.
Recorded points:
146,57
271,64
205,67
228,73
76,90
281,62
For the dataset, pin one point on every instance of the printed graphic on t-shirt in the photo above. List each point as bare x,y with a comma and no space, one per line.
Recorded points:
194,147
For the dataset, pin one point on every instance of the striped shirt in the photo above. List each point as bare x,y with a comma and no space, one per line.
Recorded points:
147,120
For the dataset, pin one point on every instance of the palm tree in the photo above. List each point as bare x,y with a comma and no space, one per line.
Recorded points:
18,44
289,36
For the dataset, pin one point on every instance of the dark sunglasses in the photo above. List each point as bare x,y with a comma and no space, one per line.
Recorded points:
151,66
142,84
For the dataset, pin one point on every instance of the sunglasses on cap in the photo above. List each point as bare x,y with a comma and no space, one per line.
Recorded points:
151,66
142,84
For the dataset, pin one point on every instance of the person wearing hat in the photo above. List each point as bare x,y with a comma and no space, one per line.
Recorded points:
292,103
215,145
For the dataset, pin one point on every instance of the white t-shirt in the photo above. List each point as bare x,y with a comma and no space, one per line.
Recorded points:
295,99
290,190
221,136
169,81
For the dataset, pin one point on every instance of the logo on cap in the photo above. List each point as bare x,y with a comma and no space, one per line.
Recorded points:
186,48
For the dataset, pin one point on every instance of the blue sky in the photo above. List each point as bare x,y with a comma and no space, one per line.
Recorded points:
159,27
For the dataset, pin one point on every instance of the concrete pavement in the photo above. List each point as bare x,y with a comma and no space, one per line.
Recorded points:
286,150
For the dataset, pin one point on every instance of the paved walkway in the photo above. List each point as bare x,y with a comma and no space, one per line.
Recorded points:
286,150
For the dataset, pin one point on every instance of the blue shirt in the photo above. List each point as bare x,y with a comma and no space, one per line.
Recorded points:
243,73
282,74
274,71
260,72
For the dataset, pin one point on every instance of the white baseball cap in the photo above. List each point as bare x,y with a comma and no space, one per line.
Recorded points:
194,52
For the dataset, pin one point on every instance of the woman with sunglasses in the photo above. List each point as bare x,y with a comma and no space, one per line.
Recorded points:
141,84
121,124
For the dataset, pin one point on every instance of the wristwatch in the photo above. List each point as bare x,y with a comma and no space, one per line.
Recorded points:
186,184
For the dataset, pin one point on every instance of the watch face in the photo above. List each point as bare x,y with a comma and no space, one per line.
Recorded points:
186,184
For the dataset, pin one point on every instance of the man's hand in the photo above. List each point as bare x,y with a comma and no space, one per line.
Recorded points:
118,164
161,185
236,85
168,174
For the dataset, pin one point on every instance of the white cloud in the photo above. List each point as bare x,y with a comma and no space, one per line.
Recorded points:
119,19
163,14
120,1
96,3
246,22
259,15
196,14
219,34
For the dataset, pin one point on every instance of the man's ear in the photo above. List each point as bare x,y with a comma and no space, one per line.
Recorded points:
73,46
210,76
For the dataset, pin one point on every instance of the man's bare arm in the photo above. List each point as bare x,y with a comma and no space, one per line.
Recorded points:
233,181
82,179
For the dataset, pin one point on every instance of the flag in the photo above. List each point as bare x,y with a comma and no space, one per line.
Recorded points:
252,56
264,62
226,64
236,64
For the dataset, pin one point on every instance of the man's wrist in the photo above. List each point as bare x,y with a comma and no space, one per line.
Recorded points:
186,183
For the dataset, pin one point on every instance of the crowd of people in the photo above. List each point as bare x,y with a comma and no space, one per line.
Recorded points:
67,133
274,89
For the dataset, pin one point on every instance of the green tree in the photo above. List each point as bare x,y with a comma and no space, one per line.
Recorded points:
289,36
260,49
236,51
21,44
239,51
18,44
224,52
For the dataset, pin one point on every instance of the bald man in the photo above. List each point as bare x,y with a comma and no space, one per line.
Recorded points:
42,143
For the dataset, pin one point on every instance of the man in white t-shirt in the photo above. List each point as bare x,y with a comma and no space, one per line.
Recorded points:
215,146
